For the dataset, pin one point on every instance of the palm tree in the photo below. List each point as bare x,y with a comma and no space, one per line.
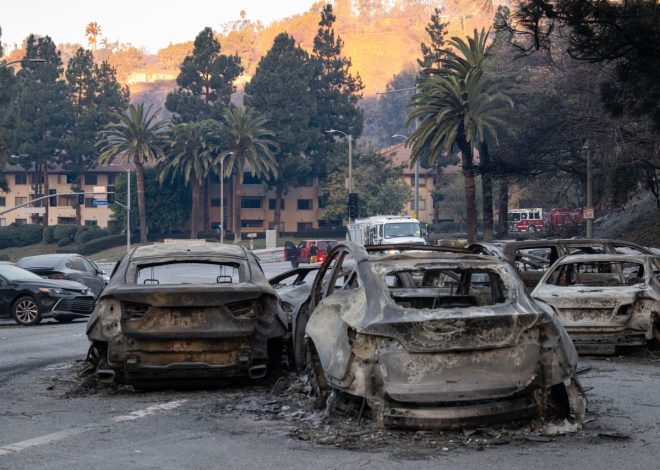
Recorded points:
193,150
247,143
138,137
461,111
92,32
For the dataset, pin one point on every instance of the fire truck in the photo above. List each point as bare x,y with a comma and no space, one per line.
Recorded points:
535,219
526,220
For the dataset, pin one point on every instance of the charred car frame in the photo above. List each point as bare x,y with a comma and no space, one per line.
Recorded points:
186,312
434,337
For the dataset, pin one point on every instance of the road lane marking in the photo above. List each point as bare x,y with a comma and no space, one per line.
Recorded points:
65,434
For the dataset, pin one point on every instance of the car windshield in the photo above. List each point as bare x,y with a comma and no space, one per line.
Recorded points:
188,272
322,245
402,229
14,273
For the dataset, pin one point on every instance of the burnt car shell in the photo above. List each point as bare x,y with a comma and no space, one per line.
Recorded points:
607,307
220,329
457,365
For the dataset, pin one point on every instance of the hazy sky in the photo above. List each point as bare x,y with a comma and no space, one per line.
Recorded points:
152,24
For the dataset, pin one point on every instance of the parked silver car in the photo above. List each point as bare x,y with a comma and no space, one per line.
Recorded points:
605,301
434,337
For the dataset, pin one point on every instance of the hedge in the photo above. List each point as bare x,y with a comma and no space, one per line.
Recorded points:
101,243
64,231
87,234
20,235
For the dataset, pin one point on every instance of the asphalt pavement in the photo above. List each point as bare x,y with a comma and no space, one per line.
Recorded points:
52,418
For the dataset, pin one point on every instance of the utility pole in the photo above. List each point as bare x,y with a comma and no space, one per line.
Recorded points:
590,202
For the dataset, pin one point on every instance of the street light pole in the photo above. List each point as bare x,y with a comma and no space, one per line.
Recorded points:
222,200
350,155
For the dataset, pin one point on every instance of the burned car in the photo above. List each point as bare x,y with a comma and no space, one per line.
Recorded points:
184,311
293,287
532,258
605,301
435,337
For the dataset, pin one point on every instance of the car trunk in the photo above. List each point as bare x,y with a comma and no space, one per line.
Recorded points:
458,354
193,327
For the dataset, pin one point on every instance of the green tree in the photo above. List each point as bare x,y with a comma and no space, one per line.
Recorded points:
43,113
281,90
138,138
435,51
7,96
168,204
247,143
378,182
462,111
337,92
95,96
192,152
205,82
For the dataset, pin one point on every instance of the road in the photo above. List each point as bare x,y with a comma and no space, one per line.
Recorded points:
51,418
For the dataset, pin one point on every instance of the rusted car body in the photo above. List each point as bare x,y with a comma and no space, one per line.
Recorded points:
293,287
605,301
435,337
532,258
186,311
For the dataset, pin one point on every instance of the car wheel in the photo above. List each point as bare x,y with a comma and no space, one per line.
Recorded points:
26,311
319,388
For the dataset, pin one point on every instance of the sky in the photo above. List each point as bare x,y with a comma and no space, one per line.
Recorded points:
152,24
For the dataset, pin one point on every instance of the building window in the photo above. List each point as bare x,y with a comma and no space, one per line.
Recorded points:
21,178
304,204
252,223
215,202
3,201
66,221
91,179
250,203
422,181
70,178
89,202
20,221
307,181
20,200
248,178
91,223
271,204
305,226
422,205
112,179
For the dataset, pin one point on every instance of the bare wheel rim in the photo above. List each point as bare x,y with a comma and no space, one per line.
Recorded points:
27,311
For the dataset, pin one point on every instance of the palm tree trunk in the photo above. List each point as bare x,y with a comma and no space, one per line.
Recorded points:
486,191
503,208
205,202
470,189
278,209
142,208
238,195
194,219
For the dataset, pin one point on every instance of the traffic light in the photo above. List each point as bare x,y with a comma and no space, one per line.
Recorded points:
110,197
352,205
81,198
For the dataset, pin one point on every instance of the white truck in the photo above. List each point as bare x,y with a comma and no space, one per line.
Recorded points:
386,230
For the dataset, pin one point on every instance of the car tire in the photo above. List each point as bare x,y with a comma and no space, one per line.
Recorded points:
315,376
25,311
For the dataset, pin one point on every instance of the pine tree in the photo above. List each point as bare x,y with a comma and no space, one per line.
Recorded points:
43,113
205,81
281,90
337,91
95,95
434,52
7,94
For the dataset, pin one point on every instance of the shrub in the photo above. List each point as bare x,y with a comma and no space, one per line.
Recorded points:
65,231
65,241
87,234
20,235
101,243
4,257
49,234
